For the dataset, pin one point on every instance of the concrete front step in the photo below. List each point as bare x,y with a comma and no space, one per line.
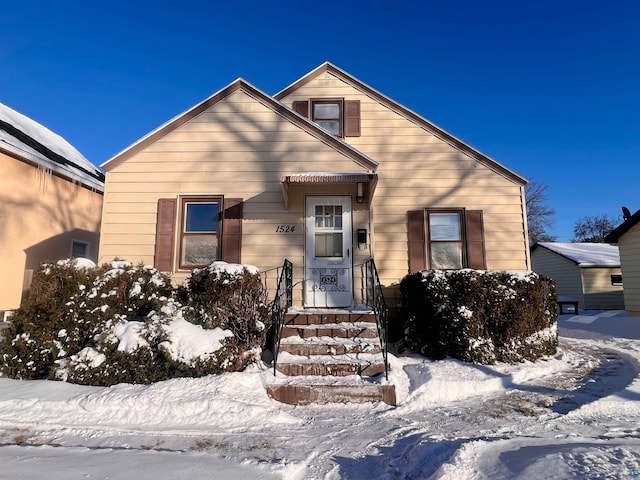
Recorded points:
299,394
329,346
338,330
319,352
307,318
336,369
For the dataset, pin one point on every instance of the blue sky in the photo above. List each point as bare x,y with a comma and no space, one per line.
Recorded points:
548,88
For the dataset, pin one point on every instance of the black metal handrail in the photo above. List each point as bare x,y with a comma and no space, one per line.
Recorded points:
375,300
281,303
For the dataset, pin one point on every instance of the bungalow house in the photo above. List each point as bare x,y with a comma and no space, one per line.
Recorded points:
50,203
627,237
329,174
587,273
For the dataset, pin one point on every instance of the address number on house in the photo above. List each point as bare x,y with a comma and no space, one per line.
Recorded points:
285,228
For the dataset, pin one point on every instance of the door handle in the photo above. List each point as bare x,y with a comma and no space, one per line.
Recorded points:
348,250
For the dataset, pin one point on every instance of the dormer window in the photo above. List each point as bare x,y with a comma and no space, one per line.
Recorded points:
328,114
339,116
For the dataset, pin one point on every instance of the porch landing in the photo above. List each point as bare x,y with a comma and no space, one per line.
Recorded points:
328,356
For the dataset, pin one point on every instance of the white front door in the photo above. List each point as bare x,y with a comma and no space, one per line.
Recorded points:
328,253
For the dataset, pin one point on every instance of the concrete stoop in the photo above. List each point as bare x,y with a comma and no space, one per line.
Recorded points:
318,393
317,349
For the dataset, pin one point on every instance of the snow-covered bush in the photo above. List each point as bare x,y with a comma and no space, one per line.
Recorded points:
231,297
480,316
162,346
122,323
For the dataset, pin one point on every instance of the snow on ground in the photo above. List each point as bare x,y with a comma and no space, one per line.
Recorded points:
574,415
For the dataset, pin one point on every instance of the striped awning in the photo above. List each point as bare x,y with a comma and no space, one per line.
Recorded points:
329,177
299,180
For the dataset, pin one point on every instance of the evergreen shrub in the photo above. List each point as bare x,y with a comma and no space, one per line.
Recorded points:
118,322
480,316
234,300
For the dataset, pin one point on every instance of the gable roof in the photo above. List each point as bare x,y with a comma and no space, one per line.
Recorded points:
623,228
240,84
405,112
29,141
585,254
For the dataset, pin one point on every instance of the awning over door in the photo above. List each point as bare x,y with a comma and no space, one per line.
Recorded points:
360,185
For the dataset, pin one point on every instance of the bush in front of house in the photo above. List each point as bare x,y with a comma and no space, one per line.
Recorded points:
163,345
480,316
231,297
122,323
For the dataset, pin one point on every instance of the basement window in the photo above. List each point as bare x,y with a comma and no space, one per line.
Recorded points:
80,249
616,280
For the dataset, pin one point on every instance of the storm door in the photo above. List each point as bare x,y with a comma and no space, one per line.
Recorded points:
328,252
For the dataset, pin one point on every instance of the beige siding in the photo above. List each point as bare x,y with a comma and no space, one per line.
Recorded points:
419,170
240,148
40,214
564,271
242,159
598,292
629,246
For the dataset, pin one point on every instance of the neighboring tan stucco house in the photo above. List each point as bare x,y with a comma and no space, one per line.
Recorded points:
328,173
588,273
50,203
627,237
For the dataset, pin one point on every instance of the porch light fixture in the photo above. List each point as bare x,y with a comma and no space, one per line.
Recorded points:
360,193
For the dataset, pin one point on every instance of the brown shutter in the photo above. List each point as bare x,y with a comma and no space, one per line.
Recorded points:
416,240
165,234
475,240
232,230
301,107
352,118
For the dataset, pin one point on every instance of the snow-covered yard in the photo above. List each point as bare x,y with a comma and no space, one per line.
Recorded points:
576,415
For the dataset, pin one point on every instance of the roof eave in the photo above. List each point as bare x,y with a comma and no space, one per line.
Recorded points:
30,159
240,84
624,227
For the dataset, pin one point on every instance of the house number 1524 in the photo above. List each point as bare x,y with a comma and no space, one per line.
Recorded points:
285,228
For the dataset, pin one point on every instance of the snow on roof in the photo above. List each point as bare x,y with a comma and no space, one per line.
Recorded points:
36,143
586,254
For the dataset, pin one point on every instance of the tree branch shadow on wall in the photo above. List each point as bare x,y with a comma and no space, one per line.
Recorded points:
53,249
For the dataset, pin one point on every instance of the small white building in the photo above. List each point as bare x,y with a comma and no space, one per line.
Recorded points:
589,273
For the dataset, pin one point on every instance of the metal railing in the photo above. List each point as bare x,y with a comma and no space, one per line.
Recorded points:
281,303
375,300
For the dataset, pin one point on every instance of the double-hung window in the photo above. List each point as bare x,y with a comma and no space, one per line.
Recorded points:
338,116
328,114
200,232
446,241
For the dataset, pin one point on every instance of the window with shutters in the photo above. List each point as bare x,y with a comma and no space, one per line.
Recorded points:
195,225
338,116
445,239
200,231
